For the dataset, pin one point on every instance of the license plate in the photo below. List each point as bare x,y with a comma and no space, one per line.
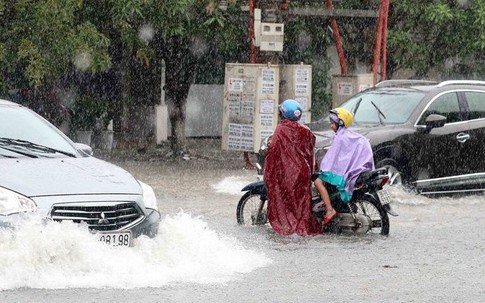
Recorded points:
384,196
122,238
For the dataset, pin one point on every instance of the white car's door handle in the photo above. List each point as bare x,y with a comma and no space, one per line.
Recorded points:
462,137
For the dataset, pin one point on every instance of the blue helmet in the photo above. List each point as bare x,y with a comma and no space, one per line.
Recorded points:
291,109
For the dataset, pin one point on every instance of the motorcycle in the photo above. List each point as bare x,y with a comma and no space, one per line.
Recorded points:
366,212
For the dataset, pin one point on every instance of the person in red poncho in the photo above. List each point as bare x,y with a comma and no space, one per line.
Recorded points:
287,174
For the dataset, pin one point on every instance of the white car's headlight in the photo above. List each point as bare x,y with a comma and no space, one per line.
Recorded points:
149,198
11,203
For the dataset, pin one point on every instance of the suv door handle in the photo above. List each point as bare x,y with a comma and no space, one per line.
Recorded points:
462,137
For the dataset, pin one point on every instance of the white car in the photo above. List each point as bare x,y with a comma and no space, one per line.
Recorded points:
43,172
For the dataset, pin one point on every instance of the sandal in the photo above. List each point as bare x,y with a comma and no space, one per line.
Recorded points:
327,220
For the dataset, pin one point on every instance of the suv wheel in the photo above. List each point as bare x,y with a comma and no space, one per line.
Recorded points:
395,176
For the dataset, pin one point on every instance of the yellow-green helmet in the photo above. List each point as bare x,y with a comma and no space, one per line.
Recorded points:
343,115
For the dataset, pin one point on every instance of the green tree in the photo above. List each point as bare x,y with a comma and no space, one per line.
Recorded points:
41,41
436,33
191,30
448,35
307,40
180,32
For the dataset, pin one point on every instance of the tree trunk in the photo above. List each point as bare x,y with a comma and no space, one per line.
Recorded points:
125,89
176,113
180,74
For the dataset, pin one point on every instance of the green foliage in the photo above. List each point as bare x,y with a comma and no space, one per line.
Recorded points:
3,52
307,41
440,13
87,110
37,66
426,35
87,40
43,39
321,94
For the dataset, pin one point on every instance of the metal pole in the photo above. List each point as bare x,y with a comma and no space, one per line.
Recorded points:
384,40
377,50
252,59
338,41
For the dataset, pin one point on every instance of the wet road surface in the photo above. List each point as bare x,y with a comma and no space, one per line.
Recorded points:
434,253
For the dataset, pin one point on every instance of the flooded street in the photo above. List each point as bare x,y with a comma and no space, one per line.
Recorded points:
434,253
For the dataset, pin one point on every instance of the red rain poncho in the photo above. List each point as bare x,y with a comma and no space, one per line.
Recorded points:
287,176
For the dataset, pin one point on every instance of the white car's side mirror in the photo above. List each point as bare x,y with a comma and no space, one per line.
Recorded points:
84,148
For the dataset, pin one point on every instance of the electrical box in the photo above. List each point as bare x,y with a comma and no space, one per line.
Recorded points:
252,94
268,36
250,110
296,83
271,37
344,87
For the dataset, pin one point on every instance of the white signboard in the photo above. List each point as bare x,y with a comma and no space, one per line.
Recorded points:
344,88
266,106
267,121
303,102
268,82
235,85
251,98
268,75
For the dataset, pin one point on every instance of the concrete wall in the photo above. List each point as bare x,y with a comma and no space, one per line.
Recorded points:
204,111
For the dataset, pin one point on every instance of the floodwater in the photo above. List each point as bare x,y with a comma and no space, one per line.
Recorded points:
434,253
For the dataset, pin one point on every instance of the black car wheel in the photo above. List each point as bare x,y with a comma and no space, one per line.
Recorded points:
395,175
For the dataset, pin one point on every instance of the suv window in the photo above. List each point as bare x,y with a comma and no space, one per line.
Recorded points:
446,105
476,105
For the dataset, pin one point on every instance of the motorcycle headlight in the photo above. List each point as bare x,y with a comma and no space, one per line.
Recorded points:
149,198
11,203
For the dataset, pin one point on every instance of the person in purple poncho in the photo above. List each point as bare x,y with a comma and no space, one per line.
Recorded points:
349,155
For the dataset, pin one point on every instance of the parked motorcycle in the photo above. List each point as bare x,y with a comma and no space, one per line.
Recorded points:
367,211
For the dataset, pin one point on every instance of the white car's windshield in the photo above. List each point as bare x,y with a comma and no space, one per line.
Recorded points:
384,107
19,123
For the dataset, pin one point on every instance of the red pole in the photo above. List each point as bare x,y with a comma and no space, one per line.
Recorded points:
384,40
252,47
252,59
377,50
338,41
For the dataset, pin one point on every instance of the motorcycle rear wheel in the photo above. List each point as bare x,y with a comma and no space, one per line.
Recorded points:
371,208
251,210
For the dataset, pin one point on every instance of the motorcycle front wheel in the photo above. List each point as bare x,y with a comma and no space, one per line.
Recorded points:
251,210
372,209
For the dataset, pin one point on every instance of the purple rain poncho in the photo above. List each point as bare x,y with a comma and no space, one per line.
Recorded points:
349,155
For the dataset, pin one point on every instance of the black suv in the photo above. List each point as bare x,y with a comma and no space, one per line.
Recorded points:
430,136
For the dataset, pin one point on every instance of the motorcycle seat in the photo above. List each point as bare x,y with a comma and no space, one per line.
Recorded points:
367,175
